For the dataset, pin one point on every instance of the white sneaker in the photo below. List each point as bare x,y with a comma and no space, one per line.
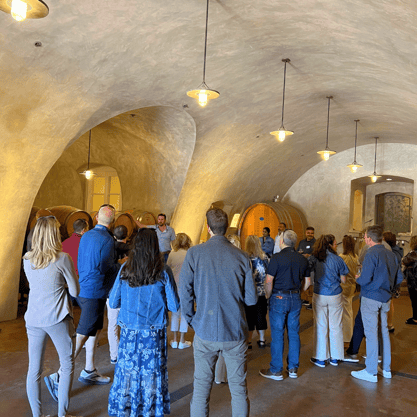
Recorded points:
364,375
173,344
379,358
184,345
93,378
385,374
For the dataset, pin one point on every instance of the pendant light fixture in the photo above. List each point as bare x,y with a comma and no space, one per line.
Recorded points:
203,93
374,176
327,152
354,165
24,9
88,173
281,132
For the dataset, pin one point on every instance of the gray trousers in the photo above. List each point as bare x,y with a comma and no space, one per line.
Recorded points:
205,357
372,310
62,335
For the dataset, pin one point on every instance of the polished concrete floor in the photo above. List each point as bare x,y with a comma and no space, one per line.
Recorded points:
317,392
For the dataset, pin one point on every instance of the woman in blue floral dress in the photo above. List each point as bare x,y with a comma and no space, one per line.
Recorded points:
144,291
256,315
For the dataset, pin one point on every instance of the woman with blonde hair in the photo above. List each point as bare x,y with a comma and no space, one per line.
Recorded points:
256,315
329,271
349,287
180,246
52,279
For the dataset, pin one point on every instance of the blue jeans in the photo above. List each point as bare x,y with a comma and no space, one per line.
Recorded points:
284,311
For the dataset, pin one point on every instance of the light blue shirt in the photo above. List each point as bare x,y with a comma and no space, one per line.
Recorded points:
164,238
327,274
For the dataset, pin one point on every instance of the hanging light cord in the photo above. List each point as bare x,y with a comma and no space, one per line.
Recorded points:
376,141
205,45
356,138
283,93
89,147
328,119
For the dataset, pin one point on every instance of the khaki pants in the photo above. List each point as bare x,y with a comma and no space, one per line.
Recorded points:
205,357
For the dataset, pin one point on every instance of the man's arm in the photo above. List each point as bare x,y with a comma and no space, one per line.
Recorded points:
187,295
368,268
268,285
307,282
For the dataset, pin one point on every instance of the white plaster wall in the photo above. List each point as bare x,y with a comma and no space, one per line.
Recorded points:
323,192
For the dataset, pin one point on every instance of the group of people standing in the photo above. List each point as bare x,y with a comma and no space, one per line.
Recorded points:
223,294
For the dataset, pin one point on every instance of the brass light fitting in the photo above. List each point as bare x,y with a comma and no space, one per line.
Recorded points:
281,133
24,9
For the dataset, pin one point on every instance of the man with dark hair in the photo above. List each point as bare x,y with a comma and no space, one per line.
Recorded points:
267,242
282,226
72,244
285,275
305,247
381,273
121,246
218,277
165,233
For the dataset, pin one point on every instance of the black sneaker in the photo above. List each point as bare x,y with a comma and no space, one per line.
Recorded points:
266,373
305,302
309,307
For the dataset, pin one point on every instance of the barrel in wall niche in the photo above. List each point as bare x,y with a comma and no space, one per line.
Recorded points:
35,213
124,218
67,215
270,215
144,217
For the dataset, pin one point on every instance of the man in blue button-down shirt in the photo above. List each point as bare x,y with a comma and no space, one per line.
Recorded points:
218,276
381,273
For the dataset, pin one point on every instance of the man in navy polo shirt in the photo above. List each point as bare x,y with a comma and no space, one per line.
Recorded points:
285,275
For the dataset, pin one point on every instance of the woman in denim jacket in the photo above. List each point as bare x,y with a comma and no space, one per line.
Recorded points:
144,290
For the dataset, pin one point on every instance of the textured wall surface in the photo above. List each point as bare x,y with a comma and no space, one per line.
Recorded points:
101,61
323,193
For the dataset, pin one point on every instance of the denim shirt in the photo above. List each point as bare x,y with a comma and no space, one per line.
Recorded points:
145,307
381,272
327,274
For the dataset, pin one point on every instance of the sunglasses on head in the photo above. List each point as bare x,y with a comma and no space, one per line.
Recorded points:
107,205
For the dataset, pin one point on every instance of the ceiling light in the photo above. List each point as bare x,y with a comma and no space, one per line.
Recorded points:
326,153
203,93
281,132
354,165
389,179
24,9
374,177
88,173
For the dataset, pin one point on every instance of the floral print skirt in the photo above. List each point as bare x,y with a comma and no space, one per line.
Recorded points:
140,385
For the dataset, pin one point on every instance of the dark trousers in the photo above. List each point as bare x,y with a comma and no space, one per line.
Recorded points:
358,335
413,297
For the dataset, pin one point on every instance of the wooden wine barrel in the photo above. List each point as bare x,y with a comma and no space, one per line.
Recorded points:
34,215
93,215
67,215
271,215
144,217
123,218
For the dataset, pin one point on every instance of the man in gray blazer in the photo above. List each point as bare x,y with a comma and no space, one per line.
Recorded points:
218,277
